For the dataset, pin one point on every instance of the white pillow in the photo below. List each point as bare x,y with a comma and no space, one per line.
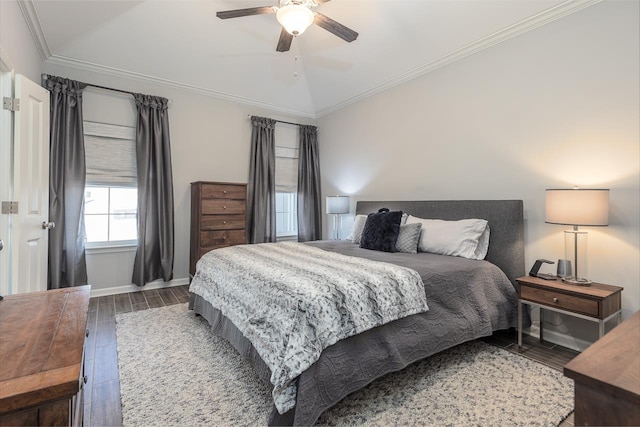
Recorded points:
467,238
358,226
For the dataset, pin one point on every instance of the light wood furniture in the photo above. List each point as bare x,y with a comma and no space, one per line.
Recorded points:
41,348
607,378
596,302
218,217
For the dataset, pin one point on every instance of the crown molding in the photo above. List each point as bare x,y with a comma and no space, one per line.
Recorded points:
567,8
117,72
33,23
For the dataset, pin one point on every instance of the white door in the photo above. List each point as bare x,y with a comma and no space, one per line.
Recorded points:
6,171
30,237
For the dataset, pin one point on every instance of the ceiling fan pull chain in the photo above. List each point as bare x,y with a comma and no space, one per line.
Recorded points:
296,59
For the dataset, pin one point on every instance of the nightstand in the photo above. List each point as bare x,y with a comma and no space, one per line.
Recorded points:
596,302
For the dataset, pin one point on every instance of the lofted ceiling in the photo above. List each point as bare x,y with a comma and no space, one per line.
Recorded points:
183,44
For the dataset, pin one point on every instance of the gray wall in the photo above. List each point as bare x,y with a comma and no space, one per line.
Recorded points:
555,107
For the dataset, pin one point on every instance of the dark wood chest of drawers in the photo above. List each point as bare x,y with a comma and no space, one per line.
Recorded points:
218,217
41,348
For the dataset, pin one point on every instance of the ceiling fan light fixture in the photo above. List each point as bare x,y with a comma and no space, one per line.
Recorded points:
295,18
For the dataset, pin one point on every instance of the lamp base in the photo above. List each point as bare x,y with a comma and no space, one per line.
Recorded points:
578,281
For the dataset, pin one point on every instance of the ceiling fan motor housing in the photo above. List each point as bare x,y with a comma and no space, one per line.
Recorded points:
295,16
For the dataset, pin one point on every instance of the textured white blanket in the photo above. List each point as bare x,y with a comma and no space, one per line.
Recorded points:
292,301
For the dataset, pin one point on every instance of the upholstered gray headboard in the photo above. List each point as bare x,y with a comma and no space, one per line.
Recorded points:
505,217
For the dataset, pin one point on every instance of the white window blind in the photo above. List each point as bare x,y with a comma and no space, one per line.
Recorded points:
286,159
110,153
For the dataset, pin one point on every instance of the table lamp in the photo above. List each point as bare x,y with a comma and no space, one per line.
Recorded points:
337,206
577,207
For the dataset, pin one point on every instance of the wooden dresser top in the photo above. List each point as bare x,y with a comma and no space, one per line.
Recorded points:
613,362
41,345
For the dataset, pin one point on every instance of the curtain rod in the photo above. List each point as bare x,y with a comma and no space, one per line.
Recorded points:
46,76
285,122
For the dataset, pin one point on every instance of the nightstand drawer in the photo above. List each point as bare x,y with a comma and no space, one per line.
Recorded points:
560,300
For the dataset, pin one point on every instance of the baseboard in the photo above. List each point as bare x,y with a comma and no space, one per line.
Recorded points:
561,339
124,289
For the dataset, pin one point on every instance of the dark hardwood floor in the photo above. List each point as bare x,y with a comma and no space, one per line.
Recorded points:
102,392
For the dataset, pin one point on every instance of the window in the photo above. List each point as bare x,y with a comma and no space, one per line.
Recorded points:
286,214
111,196
110,213
286,182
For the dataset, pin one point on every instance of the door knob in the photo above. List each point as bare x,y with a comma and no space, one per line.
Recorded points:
1,244
48,225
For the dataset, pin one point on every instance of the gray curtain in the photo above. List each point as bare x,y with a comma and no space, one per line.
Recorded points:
261,203
309,220
154,257
67,266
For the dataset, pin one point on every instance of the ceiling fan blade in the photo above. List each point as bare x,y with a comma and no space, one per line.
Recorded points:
320,1
237,13
284,43
345,33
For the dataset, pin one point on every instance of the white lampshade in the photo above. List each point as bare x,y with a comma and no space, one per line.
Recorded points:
295,18
577,207
337,204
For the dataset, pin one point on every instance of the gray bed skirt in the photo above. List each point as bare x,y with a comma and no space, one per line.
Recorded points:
352,363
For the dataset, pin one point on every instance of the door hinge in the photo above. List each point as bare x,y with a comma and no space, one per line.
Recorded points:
9,207
11,104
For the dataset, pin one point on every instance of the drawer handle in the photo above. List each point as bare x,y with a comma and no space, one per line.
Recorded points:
224,237
555,300
224,222
224,207
84,379
86,333
224,192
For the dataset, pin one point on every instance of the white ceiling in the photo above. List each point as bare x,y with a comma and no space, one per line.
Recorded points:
183,44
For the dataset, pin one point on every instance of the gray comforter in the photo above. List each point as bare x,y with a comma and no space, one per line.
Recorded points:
467,300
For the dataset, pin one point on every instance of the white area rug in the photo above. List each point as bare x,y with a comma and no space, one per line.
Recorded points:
174,371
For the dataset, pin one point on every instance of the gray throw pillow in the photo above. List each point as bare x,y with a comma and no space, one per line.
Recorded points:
408,238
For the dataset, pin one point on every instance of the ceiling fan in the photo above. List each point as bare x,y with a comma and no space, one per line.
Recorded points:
295,16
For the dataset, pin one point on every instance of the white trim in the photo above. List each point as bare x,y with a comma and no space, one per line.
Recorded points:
112,71
35,28
508,33
124,289
528,24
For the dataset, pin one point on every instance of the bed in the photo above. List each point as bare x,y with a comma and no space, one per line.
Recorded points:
461,307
